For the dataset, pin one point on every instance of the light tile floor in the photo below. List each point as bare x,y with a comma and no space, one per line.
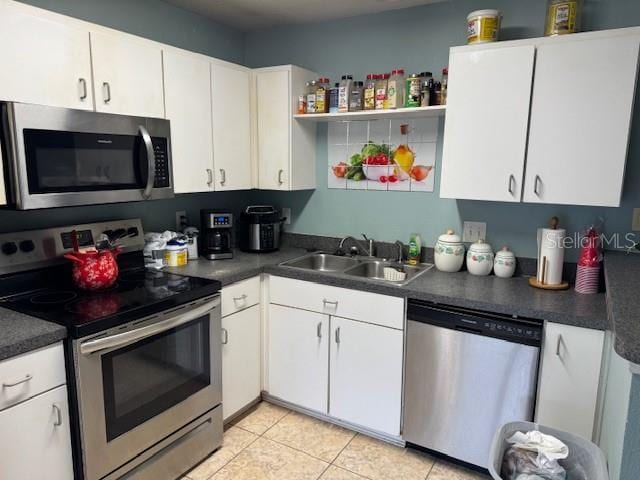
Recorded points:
273,443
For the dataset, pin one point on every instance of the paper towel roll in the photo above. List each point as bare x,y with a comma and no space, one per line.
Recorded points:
551,251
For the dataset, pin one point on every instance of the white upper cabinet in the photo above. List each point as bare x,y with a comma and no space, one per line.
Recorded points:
485,132
285,147
230,85
188,104
127,74
579,128
44,61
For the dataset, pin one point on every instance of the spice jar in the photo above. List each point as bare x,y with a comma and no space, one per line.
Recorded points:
355,97
381,91
343,93
333,98
369,92
311,97
322,95
395,89
426,89
445,85
412,91
302,104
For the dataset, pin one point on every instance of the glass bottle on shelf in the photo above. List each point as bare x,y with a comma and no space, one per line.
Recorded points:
343,93
369,92
322,95
333,98
395,89
355,98
381,91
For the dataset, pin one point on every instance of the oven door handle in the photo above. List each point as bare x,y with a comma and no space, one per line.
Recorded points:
151,161
126,338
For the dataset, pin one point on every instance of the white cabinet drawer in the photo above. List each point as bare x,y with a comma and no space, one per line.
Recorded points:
354,304
240,295
27,375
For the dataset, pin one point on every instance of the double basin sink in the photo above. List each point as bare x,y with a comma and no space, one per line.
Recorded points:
371,268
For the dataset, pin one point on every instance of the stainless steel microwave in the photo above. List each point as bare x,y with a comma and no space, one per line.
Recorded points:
58,157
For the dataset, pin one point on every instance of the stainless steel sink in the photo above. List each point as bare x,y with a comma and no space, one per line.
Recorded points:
374,270
363,267
322,262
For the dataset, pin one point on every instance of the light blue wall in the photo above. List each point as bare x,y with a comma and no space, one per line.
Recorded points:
160,21
418,39
156,20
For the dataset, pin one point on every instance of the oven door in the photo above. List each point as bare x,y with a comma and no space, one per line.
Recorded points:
139,384
63,157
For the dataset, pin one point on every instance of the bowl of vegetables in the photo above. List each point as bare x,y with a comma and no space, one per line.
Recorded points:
377,164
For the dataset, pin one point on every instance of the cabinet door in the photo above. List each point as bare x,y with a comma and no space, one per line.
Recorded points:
240,360
485,132
127,75
298,367
231,127
188,102
43,61
569,379
580,127
366,375
274,117
35,438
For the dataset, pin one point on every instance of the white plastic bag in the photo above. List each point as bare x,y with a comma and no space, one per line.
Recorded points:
534,456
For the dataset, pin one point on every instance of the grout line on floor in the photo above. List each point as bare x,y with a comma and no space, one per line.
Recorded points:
345,468
431,469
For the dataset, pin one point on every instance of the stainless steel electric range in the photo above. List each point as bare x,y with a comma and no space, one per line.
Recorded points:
143,356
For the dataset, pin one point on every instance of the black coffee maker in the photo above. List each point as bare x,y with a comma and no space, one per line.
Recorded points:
216,234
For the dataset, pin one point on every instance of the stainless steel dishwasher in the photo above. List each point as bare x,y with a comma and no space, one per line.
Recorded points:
467,373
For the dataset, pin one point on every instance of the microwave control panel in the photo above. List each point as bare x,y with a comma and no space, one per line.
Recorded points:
162,166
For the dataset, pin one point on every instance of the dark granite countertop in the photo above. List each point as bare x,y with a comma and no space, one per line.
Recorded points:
511,296
621,271
20,333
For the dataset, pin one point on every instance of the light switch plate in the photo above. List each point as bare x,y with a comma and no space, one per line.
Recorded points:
286,213
474,231
635,223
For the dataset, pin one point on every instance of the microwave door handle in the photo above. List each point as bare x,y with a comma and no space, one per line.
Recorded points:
151,162
126,338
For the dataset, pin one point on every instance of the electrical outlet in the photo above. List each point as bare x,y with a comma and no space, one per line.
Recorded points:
474,231
181,220
286,213
635,223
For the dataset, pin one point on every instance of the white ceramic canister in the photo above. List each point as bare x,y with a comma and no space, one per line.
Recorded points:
504,264
449,252
480,258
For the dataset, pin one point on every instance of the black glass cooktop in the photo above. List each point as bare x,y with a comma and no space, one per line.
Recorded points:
138,292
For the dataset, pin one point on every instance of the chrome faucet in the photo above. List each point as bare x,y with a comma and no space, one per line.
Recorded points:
369,252
400,246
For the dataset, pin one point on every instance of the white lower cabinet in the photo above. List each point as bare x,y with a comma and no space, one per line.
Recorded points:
569,378
366,374
35,438
298,356
349,369
240,360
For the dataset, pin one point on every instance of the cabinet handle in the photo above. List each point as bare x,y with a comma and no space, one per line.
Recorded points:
223,176
58,413
280,181
319,330
326,302
242,297
225,336
536,185
559,345
512,181
106,92
338,335
83,88
19,382
209,177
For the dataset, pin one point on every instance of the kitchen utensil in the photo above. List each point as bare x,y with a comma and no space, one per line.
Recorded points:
504,264
449,252
550,257
94,269
260,228
480,258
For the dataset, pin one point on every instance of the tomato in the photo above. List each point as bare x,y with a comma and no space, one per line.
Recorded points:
383,179
393,178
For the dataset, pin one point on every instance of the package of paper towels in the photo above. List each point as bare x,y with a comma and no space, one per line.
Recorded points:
550,255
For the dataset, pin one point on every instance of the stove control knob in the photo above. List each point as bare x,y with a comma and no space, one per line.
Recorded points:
27,246
9,248
133,232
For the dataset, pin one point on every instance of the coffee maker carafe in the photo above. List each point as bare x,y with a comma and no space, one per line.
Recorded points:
217,234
